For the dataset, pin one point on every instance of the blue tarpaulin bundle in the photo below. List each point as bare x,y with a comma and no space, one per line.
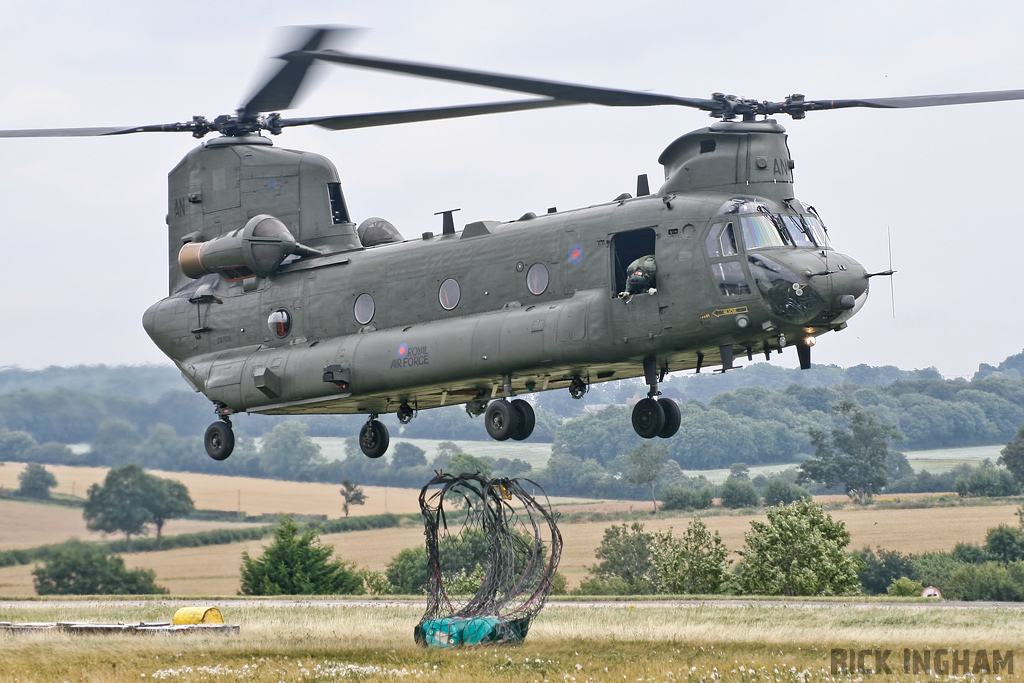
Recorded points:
456,631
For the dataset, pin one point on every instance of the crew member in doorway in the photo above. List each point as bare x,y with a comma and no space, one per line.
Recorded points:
642,277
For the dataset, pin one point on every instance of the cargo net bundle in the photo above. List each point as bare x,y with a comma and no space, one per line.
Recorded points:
492,551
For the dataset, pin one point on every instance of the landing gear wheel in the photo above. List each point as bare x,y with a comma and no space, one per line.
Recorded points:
501,419
219,440
527,420
648,418
672,418
374,439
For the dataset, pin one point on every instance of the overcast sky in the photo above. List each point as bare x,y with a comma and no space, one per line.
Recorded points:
84,242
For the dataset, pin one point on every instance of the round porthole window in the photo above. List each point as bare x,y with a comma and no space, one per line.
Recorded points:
449,294
364,308
280,323
537,278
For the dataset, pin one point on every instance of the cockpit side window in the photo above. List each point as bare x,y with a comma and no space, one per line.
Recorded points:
721,241
730,279
817,230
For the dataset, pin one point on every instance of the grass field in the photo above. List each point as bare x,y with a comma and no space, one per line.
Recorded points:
764,642
214,570
26,525
251,496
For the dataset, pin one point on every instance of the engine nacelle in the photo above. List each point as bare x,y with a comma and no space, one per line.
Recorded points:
257,249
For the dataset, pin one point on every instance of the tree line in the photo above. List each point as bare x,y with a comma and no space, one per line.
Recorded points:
853,455
781,422
67,405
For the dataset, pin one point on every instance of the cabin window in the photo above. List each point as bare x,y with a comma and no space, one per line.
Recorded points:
364,308
280,323
537,278
730,278
721,241
339,210
449,294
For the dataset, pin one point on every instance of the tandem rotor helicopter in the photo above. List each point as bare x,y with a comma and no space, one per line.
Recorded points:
280,302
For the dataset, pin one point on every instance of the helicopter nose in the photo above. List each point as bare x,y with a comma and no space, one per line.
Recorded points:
844,302
847,281
810,288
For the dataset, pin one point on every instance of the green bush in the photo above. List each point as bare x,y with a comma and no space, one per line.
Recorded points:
935,569
407,571
879,570
905,587
611,585
625,553
1005,543
694,563
79,568
297,564
739,493
685,498
778,491
800,551
559,586
35,481
376,583
988,581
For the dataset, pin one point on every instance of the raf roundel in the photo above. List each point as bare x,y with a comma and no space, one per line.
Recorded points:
575,253
402,350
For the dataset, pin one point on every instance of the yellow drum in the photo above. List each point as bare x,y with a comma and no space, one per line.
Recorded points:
198,615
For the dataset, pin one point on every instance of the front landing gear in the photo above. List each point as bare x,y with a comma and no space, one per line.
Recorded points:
219,440
374,438
654,416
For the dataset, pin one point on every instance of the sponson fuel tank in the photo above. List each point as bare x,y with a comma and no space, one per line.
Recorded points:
259,248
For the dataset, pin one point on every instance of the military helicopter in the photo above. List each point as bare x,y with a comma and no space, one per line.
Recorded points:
280,303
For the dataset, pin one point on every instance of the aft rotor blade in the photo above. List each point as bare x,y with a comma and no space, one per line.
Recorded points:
919,100
554,89
279,91
387,118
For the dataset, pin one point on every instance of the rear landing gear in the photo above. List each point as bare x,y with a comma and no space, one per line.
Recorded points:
506,419
501,419
652,416
527,419
374,438
648,418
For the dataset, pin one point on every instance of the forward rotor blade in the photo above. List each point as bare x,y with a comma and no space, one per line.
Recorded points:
387,118
93,132
919,100
554,89
279,91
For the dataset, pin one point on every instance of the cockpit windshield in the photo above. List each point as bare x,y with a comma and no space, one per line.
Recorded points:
759,232
800,232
